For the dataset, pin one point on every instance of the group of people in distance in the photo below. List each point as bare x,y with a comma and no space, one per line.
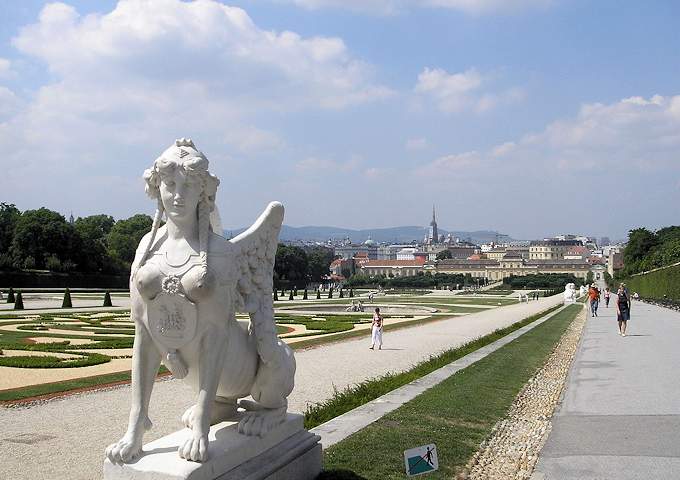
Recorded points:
622,304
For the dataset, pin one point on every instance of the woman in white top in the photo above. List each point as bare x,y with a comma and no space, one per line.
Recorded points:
377,329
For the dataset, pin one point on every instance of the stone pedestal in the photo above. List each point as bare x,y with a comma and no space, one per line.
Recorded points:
287,452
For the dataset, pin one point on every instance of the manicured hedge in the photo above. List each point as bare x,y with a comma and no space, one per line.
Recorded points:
657,285
49,361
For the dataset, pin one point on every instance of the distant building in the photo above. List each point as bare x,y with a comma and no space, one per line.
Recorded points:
551,249
433,233
512,264
408,253
394,268
347,251
614,262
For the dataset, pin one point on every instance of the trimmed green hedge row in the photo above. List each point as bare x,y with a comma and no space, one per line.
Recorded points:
48,361
656,285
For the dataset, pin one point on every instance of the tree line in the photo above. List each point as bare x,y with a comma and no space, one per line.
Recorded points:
43,239
647,250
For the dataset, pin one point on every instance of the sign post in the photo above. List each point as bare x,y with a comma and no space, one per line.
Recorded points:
421,460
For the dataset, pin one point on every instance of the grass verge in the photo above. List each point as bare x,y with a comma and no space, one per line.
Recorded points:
357,395
456,415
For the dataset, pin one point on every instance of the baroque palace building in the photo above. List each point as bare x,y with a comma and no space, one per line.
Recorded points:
512,263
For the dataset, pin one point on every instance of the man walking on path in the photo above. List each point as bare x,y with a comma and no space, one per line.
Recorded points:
594,298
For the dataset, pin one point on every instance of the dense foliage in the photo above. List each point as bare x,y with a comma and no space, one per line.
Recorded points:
296,266
416,281
542,280
43,239
648,250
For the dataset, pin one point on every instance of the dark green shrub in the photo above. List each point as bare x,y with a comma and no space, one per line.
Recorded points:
49,361
10,296
304,295
67,299
107,299
19,303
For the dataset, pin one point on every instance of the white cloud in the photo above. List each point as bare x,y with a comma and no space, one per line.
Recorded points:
390,7
457,92
9,104
206,44
633,134
448,165
5,67
250,139
125,83
419,143
326,166
478,7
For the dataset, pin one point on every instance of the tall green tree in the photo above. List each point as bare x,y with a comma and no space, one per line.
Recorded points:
319,261
42,233
124,237
9,215
640,242
444,254
291,265
93,231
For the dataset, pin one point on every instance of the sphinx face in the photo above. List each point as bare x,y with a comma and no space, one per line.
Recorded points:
180,192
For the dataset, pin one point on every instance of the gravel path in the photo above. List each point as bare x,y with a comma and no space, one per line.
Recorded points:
511,451
65,438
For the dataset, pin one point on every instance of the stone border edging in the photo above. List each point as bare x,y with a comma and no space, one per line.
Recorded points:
343,426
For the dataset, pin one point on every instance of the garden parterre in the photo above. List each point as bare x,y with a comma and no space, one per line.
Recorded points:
39,348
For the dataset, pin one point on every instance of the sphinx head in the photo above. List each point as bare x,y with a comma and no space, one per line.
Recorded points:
180,181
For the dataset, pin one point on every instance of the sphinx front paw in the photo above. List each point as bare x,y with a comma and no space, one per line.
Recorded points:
195,448
124,450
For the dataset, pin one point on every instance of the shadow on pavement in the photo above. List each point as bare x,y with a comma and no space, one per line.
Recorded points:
339,475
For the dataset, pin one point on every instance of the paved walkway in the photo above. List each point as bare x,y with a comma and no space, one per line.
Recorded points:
620,415
66,438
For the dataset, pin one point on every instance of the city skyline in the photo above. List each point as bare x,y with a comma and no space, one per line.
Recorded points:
529,117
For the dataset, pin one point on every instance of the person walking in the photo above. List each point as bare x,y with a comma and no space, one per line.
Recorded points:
594,297
377,329
622,308
607,294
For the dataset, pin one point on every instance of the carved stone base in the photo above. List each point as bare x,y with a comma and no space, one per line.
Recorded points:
289,451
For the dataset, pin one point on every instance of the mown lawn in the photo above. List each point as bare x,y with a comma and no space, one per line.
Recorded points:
456,415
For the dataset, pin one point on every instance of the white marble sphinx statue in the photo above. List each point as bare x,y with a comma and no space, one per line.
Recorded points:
186,285
569,293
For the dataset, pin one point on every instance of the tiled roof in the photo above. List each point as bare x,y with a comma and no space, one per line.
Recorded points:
418,262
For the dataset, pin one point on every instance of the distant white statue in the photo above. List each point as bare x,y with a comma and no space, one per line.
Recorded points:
570,293
582,290
187,284
523,297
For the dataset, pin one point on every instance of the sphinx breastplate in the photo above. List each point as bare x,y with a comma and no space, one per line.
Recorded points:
170,292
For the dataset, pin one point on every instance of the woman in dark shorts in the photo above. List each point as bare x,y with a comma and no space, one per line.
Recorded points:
622,309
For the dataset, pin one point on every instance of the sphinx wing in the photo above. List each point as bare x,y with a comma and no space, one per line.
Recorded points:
255,251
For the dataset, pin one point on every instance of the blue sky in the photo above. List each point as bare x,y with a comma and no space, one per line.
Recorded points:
533,117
